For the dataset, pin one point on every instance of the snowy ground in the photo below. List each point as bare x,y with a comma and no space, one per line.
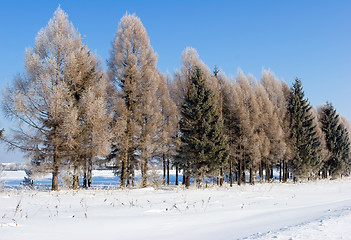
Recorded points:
314,210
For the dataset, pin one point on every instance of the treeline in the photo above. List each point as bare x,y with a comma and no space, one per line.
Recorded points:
73,115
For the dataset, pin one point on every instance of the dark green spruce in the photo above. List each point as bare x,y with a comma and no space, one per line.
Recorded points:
306,143
202,148
336,140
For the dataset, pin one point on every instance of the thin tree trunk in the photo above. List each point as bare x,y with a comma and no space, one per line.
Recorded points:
286,176
239,172
187,181
144,173
260,170
230,173
90,172
251,177
283,167
55,174
75,178
85,179
243,173
85,174
221,177
128,172
167,171
183,178
133,175
164,167
177,170
268,172
280,171
123,174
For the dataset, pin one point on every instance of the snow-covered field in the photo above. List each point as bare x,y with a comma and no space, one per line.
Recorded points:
314,210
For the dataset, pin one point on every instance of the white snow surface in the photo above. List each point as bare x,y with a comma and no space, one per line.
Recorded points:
312,210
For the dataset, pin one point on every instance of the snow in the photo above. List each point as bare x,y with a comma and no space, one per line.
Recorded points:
313,210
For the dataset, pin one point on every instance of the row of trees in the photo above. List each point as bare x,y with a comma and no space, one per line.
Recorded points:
72,115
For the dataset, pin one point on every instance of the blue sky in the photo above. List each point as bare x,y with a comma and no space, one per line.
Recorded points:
306,39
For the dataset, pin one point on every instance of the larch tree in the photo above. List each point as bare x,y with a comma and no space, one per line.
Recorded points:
96,126
278,92
230,123
269,131
202,148
305,141
169,126
132,67
248,134
45,100
87,83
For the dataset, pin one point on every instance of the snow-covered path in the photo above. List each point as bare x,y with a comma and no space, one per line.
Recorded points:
283,210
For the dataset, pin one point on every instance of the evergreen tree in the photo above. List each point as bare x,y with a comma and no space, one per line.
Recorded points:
202,149
336,139
305,141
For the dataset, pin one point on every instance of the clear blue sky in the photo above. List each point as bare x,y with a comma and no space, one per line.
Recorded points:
306,39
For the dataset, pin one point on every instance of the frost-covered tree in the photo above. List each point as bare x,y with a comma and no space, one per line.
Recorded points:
247,130
132,67
336,139
305,141
231,127
168,127
47,100
202,147
278,92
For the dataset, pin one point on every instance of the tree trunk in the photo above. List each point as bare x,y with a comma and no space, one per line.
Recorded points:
251,177
221,177
187,181
239,172
75,178
243,175
177,170
144,173
280,171
183,178
286,176
283,171
55,174
268,172
123,174
230,173
128,172
133,175
90,172
85,179
167,171
260,170
164,167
